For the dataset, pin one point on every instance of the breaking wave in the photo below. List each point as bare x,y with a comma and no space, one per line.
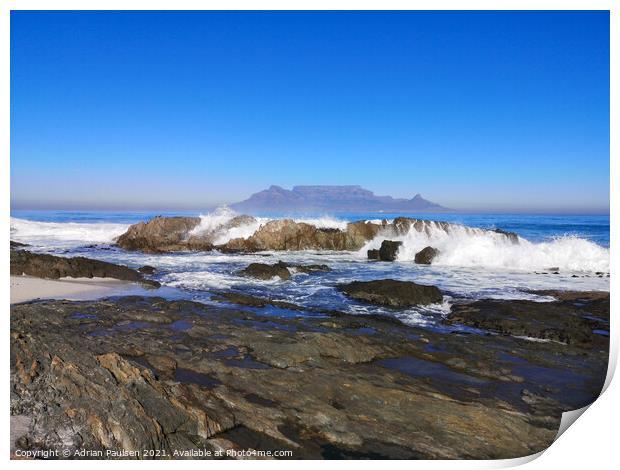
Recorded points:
218,224
64,234
461,246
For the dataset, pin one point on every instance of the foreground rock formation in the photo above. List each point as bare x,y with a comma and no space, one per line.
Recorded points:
165,234
137,373
54,267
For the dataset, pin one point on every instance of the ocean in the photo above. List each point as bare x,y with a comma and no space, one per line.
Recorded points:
566,252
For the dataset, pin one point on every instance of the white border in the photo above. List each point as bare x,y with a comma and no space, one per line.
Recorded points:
591,443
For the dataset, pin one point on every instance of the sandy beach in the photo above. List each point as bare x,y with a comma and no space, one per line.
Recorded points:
24,288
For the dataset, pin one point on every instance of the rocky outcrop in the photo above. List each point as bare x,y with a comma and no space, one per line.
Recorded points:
159,235
163,234
426,255
389,250
288,235
266,271
391,293
54,267
133,373
556,321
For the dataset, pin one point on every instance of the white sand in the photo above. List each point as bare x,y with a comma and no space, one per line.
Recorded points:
25,288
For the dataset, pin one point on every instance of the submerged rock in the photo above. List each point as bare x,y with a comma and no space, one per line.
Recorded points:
391,293
426,255
266,271
389,250
54,267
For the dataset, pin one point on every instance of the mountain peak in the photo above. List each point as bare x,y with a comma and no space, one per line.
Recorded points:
332,198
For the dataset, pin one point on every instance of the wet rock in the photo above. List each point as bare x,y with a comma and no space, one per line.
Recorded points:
511,236
147,270
239,380
266,271
389,250
391,293
253,301
567,321
306,268
54,267
426,255
373,254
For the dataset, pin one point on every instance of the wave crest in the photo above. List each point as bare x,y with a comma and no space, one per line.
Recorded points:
462,246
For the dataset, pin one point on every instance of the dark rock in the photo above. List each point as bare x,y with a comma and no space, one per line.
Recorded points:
563,321
389,250
253,301
305,268
511,236
373,254
17,245
391,293
266,271
426,255
54,267
147,269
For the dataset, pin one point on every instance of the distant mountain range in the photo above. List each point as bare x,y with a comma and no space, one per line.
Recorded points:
327,199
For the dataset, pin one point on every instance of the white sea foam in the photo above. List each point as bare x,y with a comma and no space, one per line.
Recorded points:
324,222
64,234
471,247
214,223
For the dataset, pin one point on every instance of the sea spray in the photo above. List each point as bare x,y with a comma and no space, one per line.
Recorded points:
216,224
462,246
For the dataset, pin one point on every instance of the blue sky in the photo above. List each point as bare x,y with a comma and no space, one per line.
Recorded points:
475,110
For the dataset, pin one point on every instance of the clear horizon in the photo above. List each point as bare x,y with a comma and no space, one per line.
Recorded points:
477,111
